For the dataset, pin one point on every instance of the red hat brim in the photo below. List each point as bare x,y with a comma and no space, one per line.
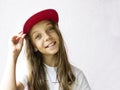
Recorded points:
48,14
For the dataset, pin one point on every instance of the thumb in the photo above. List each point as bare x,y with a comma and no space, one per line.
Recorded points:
22,38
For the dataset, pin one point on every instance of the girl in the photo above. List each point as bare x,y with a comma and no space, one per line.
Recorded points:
48,65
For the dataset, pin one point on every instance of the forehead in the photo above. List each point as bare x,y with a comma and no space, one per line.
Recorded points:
42,23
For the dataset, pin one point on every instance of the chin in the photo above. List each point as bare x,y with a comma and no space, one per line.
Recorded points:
53,52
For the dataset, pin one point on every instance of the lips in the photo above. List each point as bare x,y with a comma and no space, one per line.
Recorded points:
50,44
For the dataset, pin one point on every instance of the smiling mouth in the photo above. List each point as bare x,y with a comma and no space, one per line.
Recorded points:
50,45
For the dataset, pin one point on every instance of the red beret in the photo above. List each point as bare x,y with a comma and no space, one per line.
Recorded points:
47,14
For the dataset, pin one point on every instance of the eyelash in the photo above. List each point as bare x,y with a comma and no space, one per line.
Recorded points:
51,28
37,36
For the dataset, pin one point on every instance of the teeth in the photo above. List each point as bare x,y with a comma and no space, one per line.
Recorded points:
50,45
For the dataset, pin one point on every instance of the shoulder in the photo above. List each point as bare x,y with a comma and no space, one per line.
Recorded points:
81,82
22,73
79,74
76,71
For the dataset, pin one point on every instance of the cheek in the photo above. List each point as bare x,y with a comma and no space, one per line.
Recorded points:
55,35
57,38
39,44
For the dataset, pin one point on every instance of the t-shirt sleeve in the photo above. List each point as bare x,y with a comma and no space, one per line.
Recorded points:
82,82
22,79
21,74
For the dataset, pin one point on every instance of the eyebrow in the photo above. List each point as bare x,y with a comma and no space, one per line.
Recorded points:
49,23
33,33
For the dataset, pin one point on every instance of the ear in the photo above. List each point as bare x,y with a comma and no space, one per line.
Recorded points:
35,49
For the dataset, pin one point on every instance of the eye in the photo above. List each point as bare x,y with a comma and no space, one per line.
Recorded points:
51,28
38,36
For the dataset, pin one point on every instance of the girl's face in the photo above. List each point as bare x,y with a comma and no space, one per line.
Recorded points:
44,38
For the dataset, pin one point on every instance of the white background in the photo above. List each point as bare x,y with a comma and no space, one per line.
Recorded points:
91,29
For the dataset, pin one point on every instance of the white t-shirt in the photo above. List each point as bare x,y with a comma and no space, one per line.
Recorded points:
80,83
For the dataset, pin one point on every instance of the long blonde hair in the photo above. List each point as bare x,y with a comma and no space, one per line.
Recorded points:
36,70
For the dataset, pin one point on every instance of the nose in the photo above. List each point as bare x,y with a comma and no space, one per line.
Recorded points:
47,37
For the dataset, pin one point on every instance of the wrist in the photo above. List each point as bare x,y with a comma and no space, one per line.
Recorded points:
12,57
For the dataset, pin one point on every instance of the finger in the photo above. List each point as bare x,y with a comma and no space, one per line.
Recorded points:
21,34
22,38
15,39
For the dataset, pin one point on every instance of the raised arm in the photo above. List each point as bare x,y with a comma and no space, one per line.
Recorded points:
9,78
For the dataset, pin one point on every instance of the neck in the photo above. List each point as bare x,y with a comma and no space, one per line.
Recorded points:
50,60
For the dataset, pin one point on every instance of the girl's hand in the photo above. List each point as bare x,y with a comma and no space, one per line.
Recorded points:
17,44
